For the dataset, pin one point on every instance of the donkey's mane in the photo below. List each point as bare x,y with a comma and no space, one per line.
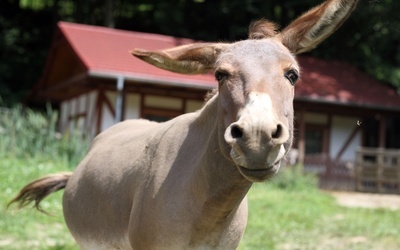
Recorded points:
262,28
210,94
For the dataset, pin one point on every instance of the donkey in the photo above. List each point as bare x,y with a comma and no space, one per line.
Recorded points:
182,184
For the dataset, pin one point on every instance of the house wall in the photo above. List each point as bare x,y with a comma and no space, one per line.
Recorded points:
132,104
316,118
341,129
82,112
107,119
172,103
79,113
163,102
193,105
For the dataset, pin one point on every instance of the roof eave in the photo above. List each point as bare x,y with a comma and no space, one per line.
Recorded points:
151,79
347,104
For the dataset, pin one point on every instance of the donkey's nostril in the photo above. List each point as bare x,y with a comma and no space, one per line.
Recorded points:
278,132
236,132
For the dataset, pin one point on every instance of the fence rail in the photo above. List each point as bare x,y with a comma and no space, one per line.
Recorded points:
375,170
332,175
378,170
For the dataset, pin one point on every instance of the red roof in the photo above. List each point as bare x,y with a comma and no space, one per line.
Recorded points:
105,51
339,82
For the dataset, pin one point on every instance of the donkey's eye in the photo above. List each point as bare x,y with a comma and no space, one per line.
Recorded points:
292,75
221,75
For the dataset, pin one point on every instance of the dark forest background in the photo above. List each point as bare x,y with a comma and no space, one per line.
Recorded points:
370,39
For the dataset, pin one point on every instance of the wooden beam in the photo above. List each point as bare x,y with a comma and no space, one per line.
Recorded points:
327,133
124,106
99,110
382,131
81,77
301,139
129,87
108,103
142,96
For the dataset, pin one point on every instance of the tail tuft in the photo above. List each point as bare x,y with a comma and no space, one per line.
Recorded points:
39,189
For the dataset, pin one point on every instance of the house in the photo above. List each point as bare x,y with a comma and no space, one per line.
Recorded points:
96,82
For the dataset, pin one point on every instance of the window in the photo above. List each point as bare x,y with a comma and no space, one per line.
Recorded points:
371,132
393,132
314,138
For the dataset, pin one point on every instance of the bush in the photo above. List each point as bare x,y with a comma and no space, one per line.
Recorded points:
27,133
292,178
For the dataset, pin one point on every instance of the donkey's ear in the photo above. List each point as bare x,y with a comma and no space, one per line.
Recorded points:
310,29
187,59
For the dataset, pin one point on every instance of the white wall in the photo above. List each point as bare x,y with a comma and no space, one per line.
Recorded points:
341,129
193,105
87,104
163,102
107,119
77,106
132,106
91,118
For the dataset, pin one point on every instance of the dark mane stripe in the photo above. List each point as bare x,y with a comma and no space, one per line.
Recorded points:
262,28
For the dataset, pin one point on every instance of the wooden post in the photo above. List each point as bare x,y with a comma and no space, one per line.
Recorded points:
382,131
120,99
99,110
380,165
302,131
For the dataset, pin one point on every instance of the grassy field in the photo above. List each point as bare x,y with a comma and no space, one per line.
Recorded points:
286,213
289,213
28,228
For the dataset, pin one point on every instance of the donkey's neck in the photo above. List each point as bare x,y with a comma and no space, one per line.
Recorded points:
216,179
215,167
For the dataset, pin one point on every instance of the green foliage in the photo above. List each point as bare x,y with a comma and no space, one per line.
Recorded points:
25,133
25,37
370,40
292,178
30,147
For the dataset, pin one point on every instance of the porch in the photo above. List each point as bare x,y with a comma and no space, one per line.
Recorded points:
376,170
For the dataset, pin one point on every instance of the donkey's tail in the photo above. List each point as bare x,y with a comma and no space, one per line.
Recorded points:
39,189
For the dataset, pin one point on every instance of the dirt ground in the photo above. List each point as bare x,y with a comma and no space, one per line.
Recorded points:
367,200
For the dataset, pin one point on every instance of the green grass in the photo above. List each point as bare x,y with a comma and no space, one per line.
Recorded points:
30,147
28,228
295,216
308,218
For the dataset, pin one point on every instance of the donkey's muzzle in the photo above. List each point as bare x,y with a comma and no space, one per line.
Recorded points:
257,146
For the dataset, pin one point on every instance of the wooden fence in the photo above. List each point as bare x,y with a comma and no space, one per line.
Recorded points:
378,170
332,175
375,170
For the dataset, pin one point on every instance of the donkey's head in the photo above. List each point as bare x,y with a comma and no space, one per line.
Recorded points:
256,79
